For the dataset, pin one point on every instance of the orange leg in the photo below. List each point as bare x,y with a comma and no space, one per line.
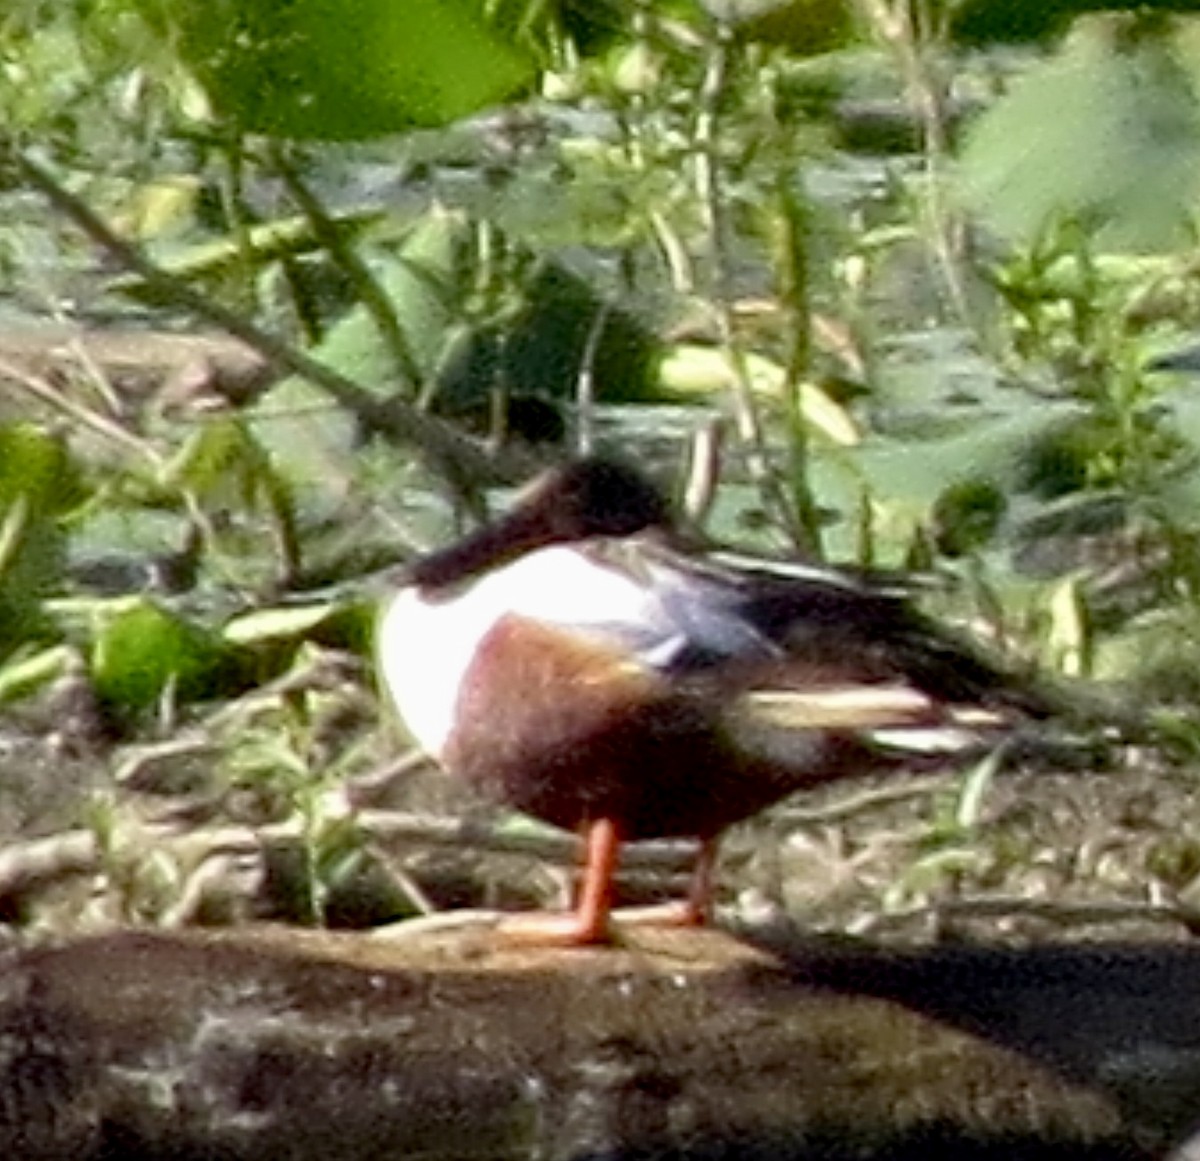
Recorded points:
588,923
694,911
596,888
700,890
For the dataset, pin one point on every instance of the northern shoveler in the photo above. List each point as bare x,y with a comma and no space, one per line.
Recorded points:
577,662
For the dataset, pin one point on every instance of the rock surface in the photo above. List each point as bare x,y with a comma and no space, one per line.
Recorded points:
271,1043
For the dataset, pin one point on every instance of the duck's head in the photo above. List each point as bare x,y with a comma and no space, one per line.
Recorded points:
590,497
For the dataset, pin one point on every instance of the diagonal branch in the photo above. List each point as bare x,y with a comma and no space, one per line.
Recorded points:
456,458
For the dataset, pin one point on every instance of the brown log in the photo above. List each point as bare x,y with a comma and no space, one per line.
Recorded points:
137,363
285,1044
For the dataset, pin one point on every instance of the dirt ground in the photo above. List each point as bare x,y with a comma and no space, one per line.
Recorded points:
1033,854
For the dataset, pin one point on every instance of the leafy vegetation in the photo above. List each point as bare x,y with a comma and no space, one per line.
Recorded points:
415,248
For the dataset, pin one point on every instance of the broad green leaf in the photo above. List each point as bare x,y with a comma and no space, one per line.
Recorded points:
144,647
39,484
1157,653
1105,134
967,467
342,70
422,282
311,441
38,466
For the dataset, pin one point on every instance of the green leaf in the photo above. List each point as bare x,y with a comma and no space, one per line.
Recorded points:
691,369
1106,134
208,263
423,282
967,515
279,623
38,466
1069,641
39,484
25,674
907,477
312,443
343,70
968,810
144,647
219,464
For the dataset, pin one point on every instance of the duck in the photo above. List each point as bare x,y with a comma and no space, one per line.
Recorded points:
582,660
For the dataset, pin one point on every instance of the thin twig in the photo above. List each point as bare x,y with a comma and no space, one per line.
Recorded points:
706,162
405,883
904,28
25,866
585,382
853,805
45,391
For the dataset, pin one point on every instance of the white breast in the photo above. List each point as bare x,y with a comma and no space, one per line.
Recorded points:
425,645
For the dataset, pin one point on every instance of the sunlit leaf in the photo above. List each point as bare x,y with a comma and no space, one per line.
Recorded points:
1069,639
160,207
343,70
422,283
210,261
696,370
38,466
276,623
27,673
968,810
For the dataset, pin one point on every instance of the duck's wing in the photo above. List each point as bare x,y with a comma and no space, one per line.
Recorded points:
813,621
683,619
